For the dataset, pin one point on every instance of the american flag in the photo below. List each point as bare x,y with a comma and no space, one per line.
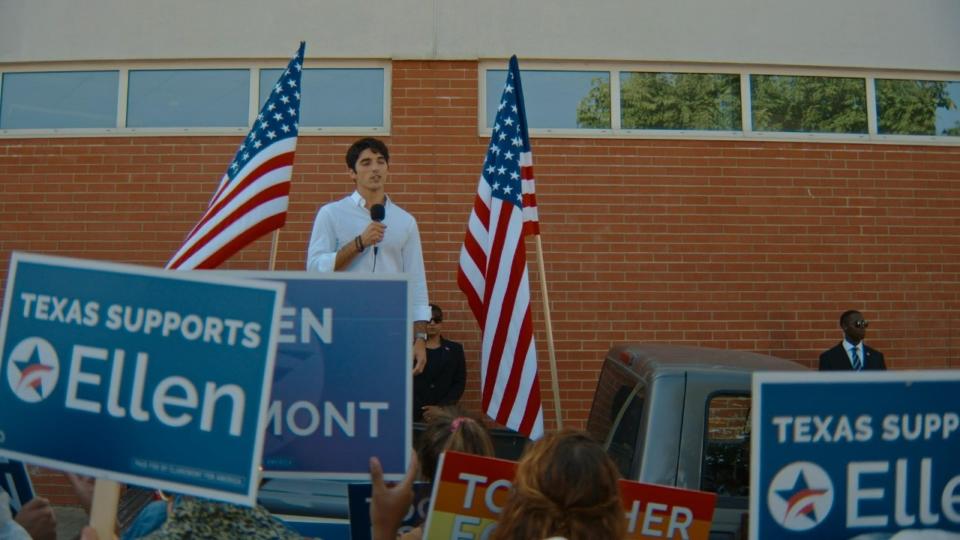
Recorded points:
252,197
493,268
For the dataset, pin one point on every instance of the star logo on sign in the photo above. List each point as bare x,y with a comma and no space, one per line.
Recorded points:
33,369
800,496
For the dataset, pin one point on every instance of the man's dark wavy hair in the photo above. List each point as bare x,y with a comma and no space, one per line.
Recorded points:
357,148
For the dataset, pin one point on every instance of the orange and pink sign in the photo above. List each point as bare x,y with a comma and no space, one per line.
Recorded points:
655,511
470,493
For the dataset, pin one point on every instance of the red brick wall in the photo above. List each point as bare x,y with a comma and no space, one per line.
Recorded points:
738,244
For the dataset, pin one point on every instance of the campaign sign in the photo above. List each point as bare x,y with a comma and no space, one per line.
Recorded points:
360,526
136,374
468,495
472,490
342,388
837,455
16,482
655,511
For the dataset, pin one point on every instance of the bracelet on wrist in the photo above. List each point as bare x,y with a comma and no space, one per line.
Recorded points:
358,242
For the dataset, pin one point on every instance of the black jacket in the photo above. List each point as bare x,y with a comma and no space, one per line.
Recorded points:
443,379
836,359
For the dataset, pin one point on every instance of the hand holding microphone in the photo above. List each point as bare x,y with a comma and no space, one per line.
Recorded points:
373,234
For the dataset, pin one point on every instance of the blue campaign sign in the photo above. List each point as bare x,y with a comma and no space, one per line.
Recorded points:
838,455
16,482
342,388
136,374
360,525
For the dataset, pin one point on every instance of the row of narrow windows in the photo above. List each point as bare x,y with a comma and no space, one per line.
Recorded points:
603,101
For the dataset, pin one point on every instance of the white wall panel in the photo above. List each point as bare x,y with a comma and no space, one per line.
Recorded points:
876,34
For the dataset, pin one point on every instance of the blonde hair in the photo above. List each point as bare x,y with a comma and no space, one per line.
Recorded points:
565,485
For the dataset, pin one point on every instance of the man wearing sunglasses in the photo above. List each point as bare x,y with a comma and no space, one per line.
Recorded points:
851,354
445,375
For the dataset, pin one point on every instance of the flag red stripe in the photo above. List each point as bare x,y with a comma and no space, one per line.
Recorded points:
476,253
519,353
533,408
519,360
281,160
463,281
273,192
482,211
476,305
500,330
264,227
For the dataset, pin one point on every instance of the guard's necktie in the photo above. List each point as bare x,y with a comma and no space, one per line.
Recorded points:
857,364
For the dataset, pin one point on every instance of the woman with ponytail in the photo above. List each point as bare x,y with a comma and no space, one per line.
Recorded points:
449,429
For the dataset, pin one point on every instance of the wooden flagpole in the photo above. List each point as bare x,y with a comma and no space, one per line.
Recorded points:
103,509
550,350
273,250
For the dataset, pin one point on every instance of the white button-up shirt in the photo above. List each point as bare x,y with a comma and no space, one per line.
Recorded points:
339,222
859,346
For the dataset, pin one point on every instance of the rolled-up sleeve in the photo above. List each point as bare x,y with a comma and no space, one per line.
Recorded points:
322,250
413,266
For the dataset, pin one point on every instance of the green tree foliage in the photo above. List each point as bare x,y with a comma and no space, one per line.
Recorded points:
780,103
666,101
681,101
808,104
593,111
910,107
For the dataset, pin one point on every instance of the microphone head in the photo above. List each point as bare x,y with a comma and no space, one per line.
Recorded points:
377,212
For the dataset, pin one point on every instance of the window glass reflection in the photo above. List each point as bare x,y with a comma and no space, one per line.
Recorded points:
808,104
557,99
907,107
335,97
188,98
55,100
701,101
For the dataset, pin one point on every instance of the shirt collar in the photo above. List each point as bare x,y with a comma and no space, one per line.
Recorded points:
362,203
847,345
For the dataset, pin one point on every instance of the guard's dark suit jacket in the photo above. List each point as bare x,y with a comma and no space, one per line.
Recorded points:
443,379
836,359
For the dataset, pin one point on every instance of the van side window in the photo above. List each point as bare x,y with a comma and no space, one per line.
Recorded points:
726,455
616,415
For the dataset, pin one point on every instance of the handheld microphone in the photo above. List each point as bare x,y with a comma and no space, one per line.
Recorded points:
377,213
